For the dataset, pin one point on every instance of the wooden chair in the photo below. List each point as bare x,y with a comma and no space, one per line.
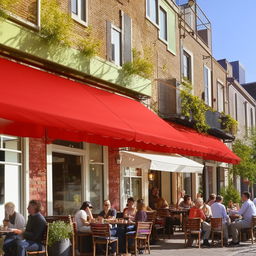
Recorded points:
44,243
249,231
193,227
217,228
162,216
151,217
101,235
142,234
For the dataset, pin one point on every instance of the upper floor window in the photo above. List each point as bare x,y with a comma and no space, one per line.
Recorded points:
236,110
163,24
152,10
207,86
187,66
116,46
221,99
79,10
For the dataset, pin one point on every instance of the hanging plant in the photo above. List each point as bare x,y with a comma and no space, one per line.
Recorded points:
192,107
7,6
229,124
140,65
89,46
55,23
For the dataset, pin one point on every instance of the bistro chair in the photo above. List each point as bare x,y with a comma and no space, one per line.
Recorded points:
44,243
217,228
151,217
249,231
164,217
142,235
101,235
193,228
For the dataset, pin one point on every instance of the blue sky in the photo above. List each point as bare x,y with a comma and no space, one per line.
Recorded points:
234,31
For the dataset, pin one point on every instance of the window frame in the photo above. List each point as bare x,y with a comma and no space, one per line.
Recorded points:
165,40
219,83
113,27
78,17
156,22
209,86
190,56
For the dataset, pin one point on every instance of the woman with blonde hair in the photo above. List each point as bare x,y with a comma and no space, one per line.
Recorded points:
12,218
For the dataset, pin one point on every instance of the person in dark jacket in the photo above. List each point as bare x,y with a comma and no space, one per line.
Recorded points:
31,238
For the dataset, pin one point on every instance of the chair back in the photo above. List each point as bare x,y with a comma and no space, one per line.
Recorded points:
217,224
163,213
45,236
100,230
193,224
144,228
151,216
254,221
65,218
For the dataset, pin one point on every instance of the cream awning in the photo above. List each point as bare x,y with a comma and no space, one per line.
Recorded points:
165,163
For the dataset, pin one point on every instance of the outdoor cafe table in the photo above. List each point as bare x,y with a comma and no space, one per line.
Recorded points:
183,212
119,222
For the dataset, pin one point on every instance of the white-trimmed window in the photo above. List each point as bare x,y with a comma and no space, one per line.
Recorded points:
221,99
116,46
207,86
152,10
79,10
187,66
162,24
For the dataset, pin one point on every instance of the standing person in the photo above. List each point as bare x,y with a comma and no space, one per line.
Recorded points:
153,198
33,234
247,211
211,199
219,211
130,210
83,217
197,212
108,212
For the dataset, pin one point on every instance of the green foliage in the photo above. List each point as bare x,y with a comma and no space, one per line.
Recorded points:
7,6
193,107
229,123
246,150
89,46
59,230
141,66
56,24
229,193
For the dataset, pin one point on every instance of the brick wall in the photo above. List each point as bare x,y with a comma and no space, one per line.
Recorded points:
37,173
114,178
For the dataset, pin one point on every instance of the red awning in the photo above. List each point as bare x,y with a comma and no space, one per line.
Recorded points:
215,149
34,102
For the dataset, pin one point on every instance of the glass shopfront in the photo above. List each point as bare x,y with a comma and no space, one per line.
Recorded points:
10,172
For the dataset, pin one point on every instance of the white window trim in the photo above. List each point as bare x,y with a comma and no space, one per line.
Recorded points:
85,177
148,18
192,66
159,34
210,86
121,44
224,98
77,17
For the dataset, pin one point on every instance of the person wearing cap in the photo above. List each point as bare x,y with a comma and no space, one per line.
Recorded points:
83,217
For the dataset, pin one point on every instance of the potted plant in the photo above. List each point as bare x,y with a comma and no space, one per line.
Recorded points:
59,238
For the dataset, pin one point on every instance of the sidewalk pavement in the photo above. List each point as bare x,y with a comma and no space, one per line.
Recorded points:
175,247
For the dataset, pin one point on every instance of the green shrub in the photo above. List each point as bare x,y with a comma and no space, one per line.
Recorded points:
141,66
7,6
59,230
89,46
55,23
230,193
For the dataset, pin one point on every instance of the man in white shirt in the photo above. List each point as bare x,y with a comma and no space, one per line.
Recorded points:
219,211
83,217
247,211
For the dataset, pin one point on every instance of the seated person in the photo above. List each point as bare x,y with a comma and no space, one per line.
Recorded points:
211,199
161,203
181,197
12,218
207,211
108,212
33,234
141,214
247,211
130,210
197,212
219,211
187,202
83,217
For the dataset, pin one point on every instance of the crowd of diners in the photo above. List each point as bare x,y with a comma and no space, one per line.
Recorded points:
28,236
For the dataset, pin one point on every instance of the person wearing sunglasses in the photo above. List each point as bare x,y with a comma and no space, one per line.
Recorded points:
108,212
83,217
